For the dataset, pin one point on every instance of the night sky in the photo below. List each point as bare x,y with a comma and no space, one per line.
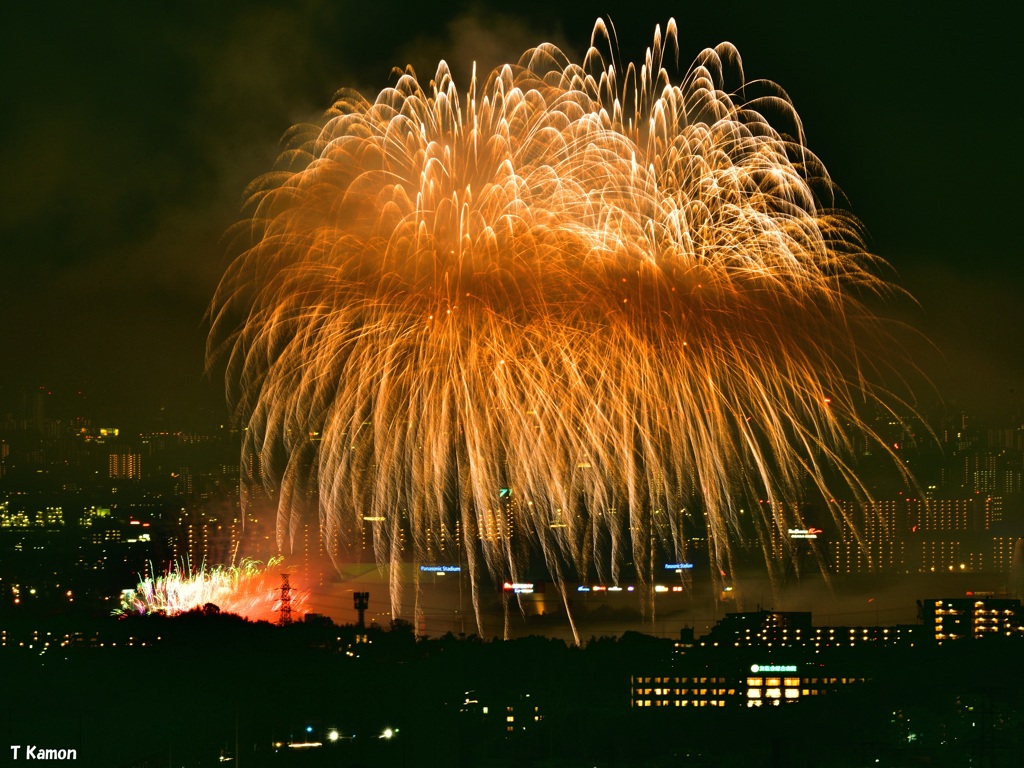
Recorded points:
130,131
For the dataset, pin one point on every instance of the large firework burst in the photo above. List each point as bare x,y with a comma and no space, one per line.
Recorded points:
615,295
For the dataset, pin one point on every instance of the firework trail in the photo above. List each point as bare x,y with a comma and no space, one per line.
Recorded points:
250,589
617,296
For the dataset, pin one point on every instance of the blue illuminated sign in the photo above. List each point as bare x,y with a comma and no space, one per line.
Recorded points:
678,566
440,568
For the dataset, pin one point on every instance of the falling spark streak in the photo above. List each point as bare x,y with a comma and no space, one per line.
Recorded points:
608,292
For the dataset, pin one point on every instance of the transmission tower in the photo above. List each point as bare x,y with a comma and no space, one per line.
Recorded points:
286,602
362,602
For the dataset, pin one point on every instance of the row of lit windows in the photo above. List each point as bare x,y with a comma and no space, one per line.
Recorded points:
757,682
679,680
51,516
684,691
680,703
125,466
816,631
775,693
866,556
923,511
828,636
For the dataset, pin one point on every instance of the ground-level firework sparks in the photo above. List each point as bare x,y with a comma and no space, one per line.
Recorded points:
250,589
576,315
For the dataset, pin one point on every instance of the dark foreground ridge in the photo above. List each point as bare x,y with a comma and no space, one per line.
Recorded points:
208,688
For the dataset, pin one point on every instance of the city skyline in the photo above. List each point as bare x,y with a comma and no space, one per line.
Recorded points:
617,551
116,200
220,85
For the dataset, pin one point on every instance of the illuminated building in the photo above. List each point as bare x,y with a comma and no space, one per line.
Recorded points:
1003,548
874,542
125,466
52,516
993,511
512,714
920,535
684,691
761,628
523,714
13,518
849,556
793,629
443,539
183,482
973,617
733,683
775,684
940,555
943,514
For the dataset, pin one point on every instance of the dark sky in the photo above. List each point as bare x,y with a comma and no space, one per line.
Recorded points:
129,131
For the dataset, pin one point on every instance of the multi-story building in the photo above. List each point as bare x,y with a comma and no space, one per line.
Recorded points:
731,682
973,617
793,629
125,466
921,535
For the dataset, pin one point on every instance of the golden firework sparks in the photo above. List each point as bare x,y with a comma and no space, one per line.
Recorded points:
617,295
